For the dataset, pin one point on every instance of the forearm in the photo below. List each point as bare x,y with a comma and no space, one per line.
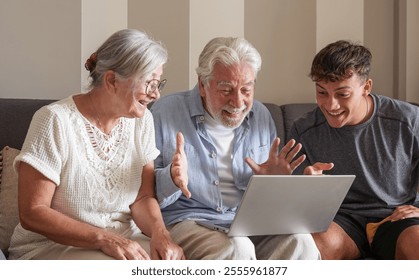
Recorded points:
147,215
145,210
62,229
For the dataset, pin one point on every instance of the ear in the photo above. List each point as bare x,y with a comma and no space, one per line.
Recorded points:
201,87
109,80
368,87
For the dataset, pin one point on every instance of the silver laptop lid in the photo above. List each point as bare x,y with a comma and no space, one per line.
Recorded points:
287,204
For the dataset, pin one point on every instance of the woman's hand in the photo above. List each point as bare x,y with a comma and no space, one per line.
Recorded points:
163,248
121,248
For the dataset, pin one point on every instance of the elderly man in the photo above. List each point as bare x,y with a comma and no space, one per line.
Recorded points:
225,137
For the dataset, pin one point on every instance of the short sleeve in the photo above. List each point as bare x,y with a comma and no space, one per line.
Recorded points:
148,138
44,145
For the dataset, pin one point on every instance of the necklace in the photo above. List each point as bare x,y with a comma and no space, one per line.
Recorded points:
97,115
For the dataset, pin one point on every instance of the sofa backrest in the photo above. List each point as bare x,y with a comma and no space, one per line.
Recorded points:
15,117
293,111
277,115
285,115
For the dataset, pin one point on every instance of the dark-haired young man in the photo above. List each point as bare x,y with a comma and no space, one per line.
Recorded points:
374,137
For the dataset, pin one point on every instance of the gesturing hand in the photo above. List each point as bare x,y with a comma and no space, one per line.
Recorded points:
279,162
179,169
317,168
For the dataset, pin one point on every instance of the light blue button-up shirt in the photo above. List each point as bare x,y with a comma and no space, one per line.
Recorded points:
184,112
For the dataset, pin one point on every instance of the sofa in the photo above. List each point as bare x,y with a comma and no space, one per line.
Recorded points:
15,117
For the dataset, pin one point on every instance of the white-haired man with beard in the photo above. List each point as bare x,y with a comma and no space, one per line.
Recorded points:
217,137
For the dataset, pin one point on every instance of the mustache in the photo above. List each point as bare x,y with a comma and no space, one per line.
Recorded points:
233,110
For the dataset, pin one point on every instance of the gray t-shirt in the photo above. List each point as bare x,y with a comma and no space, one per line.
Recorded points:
383,153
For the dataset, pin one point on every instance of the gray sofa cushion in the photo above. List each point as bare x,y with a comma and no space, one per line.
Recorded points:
285,115
293,111
276,113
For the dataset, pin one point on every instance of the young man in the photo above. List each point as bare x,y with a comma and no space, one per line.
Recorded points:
225,133
374,137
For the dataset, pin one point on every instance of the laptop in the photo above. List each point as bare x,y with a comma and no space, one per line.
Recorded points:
286,204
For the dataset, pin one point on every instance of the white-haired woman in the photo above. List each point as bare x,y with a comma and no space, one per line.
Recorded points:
86,169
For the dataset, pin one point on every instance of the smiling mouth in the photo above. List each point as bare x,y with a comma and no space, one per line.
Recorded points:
335,114
235,111
234,114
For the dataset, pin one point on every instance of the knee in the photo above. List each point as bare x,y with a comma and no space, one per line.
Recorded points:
304,247
407,244
325,242
240,248
225,248
333,246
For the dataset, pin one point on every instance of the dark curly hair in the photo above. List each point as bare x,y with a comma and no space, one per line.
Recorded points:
340,60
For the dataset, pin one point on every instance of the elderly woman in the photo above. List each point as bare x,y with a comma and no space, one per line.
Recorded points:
86,169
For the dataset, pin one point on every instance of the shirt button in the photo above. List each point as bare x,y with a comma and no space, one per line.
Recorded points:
201,118
218,209
216,182
213,155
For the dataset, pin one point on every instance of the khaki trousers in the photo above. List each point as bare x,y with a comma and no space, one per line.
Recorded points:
202,243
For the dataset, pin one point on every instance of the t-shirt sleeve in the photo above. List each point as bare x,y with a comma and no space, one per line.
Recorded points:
148,140
43,146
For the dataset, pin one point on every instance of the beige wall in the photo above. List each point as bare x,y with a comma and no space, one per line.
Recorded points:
339,19
97,25
286,39
209,19
166,21
412,51
39,48
382,44
45,43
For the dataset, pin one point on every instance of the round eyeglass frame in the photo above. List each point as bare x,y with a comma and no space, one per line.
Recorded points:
160,85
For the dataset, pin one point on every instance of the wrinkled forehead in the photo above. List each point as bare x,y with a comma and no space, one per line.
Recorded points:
233,74
222,83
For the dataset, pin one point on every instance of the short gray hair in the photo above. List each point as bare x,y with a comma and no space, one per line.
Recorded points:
228,51
128,52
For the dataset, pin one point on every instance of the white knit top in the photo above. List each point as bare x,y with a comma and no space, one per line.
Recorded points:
97,175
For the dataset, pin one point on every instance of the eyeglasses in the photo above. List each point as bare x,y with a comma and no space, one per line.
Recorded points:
154,84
